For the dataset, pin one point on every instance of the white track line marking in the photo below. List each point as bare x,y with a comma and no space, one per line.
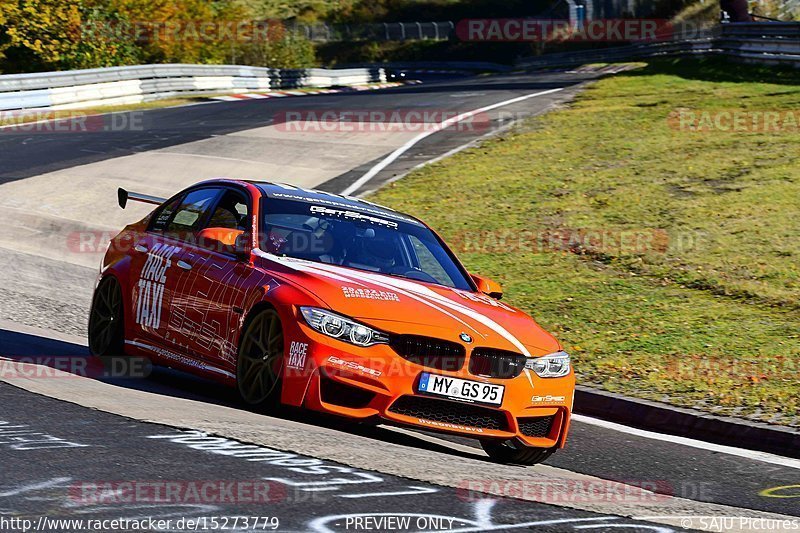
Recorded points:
371,173
692,443
454,151
415,490
660,529
55,482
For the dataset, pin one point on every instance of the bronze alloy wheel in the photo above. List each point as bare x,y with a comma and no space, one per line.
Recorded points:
260,361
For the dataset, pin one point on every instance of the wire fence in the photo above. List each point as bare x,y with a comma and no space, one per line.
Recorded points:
387,31
766,43
787,10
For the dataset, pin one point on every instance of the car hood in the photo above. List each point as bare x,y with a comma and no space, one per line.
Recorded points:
401,305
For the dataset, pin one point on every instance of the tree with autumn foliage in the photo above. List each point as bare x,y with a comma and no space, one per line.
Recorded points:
171,31
40,35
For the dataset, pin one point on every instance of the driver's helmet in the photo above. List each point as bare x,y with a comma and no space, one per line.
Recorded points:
378,251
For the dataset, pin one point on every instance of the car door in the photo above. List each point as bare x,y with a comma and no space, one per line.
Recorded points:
215,286
157,267
152,289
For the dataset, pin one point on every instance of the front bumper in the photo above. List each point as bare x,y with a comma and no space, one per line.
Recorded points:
376,382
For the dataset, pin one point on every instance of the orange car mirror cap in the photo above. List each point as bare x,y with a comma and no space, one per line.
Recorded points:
488,286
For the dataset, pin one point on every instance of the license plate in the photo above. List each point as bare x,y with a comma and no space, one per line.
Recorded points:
462,389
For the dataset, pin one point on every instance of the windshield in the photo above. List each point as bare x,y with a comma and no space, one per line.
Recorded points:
369,240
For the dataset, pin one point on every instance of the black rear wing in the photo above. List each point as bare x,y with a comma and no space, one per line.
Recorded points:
123,196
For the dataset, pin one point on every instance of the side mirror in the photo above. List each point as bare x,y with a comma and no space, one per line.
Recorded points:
243,246
488,286
221,240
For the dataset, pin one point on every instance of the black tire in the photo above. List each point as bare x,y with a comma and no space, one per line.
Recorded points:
107,320
259,363
514,452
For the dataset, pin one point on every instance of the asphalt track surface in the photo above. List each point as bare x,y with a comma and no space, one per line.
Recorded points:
44,481
84,473
25,155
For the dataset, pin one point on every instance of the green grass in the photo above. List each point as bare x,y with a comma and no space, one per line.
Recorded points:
681,280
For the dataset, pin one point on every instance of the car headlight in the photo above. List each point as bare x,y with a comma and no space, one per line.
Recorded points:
342,328
555,365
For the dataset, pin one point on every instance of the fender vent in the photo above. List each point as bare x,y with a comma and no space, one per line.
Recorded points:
342,394
536,426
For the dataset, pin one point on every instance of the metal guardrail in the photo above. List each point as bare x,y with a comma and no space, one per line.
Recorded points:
788,30
772,43
126,85
758,42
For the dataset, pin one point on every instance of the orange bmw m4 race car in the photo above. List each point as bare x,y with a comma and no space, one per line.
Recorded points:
335,304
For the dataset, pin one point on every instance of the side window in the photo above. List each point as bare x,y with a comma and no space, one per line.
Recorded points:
191,212
163,215
428,262
231,212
